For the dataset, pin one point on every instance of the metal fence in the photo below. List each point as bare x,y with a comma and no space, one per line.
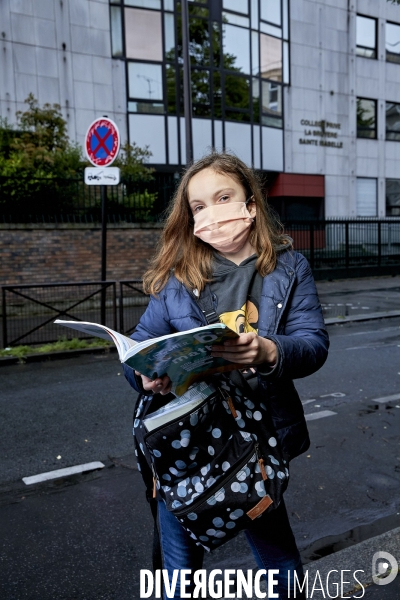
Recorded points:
28,311
132,302
71,201
340,243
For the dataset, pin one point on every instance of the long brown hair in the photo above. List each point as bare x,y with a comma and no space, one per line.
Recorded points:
191,258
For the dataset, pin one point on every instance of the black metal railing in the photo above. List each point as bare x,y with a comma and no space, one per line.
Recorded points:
342,243
28,311
132,304
71,201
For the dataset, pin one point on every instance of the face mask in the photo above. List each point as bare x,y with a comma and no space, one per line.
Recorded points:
225,227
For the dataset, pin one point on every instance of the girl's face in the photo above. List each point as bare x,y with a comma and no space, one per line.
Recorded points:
208,188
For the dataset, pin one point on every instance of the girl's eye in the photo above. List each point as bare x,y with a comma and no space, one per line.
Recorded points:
197,209
223,199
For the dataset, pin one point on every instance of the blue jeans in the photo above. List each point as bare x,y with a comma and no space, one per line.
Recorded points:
270,538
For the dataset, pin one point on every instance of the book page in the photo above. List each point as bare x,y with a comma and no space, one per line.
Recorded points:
184,356
122,342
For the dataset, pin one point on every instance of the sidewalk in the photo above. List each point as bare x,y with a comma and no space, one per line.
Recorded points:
355,561
358,558
359,299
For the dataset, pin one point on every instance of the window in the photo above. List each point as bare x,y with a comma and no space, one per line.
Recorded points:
116,31
240,6
236,48
143,37
366,197
169,36
392,42
239,59
271,11
145,3
199,46
145,81
366,37
366,118
201,93
271,104
393,197
237,98
271,57
392,121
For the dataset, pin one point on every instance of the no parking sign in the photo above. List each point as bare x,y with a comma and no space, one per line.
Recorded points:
102,142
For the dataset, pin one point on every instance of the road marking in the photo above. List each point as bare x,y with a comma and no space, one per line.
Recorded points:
386,399
304,402
320,415
334,394
62,472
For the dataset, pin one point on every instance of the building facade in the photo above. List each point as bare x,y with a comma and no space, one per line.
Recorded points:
307,91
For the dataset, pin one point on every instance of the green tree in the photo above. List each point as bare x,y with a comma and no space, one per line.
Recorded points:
38,147
132,162
41,170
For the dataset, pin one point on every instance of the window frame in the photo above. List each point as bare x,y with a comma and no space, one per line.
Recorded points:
393,131
375,180
387,205
375,130
375,49
278,119
395,62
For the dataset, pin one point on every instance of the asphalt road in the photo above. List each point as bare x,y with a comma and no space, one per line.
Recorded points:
88,536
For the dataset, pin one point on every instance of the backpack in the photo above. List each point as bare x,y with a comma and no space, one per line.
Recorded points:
218,466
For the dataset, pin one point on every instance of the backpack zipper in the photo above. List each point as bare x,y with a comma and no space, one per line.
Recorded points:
254,451
177,419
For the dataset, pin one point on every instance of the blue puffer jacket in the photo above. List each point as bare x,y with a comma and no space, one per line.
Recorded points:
289,314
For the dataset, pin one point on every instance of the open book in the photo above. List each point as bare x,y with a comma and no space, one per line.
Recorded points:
184,356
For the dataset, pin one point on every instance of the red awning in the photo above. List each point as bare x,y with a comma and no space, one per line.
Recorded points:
288,184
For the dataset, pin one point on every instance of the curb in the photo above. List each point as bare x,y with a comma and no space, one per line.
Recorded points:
367,317
31,358
354,559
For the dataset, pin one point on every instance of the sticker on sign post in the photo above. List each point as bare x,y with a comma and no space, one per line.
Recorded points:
99,176
102,142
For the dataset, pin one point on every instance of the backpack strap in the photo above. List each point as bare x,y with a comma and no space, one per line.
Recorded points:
247,382
205,301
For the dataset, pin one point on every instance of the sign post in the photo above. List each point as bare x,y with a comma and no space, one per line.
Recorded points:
102,146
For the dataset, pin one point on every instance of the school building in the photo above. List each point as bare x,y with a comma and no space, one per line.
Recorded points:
307,91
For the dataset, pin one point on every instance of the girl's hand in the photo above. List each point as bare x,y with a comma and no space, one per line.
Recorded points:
161,385
248,349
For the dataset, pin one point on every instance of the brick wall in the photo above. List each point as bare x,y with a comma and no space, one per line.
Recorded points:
32,254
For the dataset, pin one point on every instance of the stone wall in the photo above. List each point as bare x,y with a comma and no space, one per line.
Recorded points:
34,254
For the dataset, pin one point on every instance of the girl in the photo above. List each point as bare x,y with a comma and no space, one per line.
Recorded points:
218,232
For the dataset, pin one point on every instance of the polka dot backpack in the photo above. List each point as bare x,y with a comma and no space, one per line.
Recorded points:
217,467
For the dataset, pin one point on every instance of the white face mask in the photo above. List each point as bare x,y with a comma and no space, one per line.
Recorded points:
225,227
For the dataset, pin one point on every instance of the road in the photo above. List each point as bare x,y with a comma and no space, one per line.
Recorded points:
87,536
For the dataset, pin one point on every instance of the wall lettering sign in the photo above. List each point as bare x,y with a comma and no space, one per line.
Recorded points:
321,133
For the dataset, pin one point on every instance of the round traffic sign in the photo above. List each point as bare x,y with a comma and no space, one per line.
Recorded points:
102,142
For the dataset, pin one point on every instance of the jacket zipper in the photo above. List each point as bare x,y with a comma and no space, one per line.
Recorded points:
254,451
